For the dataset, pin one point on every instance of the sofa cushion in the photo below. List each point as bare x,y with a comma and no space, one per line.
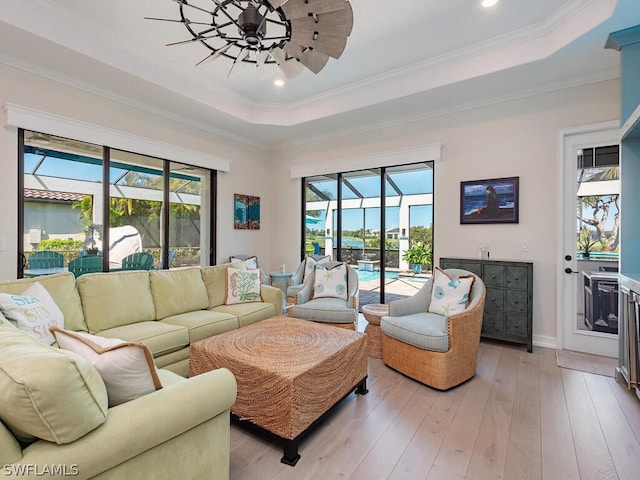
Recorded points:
178,291
248,313
33,312
449,295
203,323
114,299
428,331
242,286
160,337
215,281
62,288
126,368
46,392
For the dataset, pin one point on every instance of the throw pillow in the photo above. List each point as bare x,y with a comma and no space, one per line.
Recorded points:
250,263
46,392
34,312
330,282
310,263
243,286
126,368
449,295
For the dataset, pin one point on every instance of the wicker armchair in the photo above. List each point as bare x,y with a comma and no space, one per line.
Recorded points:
439,369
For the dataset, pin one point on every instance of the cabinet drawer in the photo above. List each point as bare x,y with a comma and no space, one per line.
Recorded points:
494,276
493,323
474,267
517,277
516,326
494,299
516,301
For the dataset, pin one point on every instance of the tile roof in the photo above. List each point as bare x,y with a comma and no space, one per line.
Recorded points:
51,195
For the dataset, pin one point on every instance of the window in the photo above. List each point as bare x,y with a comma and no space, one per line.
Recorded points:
73,191
343,218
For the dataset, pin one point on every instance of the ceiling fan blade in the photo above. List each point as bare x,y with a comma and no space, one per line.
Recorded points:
192,40
276,3
290,67
326,40
185,3
302,8
238,64
215,54
314,61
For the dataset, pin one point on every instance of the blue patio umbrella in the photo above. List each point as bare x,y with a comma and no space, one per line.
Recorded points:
312,220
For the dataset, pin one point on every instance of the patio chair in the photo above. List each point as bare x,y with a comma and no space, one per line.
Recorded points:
85,264
172,256
138,261
437,349
46,259
324,300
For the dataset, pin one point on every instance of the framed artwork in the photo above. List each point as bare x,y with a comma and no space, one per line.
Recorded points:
246,212
489,201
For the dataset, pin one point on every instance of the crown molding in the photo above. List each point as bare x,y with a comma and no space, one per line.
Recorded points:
424,153
39,121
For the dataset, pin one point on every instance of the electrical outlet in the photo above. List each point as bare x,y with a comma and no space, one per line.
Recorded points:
524,246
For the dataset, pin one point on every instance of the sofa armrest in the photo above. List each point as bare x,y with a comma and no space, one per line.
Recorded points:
139,425
273,295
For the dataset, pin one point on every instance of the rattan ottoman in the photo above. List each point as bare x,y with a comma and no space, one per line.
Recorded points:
290,372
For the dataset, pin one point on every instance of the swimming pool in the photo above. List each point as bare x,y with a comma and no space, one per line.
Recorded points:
368,276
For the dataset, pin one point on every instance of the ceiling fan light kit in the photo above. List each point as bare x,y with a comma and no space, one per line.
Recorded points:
290,34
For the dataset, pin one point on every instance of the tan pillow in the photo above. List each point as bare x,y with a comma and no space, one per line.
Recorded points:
126,368
46,392
33,312
243,286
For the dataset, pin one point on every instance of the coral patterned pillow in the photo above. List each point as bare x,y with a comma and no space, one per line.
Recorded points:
243,286
330,282
449,295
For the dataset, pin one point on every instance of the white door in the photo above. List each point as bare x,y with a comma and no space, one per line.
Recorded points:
571,281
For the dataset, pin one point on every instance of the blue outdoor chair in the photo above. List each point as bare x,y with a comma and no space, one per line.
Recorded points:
138,261
86,264
46,259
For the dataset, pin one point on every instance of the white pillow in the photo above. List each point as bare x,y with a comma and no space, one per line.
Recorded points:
250,263
449,295
126,368
330,282
311,262
33,312
243,286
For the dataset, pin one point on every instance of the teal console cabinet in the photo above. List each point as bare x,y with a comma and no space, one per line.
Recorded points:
508,306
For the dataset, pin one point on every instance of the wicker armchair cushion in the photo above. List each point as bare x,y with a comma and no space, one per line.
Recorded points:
329,310
423,330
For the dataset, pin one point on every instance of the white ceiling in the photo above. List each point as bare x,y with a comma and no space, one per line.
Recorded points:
404,60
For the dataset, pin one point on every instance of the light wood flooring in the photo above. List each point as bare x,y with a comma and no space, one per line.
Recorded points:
520,417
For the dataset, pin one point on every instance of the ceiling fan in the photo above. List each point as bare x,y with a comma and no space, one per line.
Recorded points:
292,34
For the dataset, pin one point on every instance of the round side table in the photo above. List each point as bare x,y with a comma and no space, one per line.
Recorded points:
372,314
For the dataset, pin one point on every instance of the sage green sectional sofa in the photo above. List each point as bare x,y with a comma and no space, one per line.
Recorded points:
179,431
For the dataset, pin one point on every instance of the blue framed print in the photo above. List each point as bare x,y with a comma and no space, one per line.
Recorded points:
493,200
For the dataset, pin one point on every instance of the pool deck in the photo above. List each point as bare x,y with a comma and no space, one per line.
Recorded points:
404,286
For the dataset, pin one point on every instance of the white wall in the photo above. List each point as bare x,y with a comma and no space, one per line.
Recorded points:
248,171
515,138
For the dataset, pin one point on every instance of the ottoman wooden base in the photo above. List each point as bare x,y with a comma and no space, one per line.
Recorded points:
289,372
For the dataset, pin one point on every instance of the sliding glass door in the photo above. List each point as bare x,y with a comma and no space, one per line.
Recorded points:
369,219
